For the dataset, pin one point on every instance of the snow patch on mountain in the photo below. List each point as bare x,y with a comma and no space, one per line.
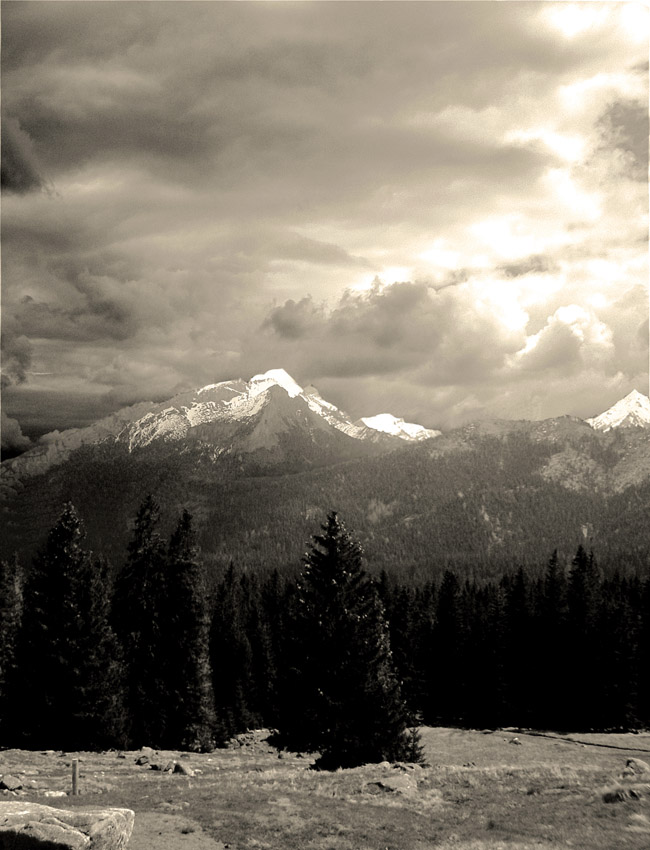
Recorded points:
386,423
633,411
274,377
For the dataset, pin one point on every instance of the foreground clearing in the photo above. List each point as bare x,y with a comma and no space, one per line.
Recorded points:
480,792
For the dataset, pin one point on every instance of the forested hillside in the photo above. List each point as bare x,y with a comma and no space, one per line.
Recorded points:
479,500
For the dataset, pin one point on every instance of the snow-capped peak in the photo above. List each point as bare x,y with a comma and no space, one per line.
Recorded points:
261,383
630,412
389,424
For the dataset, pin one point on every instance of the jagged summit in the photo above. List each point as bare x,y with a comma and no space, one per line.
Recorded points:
389,424
633,411
274,377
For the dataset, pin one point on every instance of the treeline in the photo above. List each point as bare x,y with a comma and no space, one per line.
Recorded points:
160,656
155,659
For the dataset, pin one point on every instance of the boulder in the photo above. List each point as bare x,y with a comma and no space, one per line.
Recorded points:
183,769
24,826
635,766
396,784
10,783
618,793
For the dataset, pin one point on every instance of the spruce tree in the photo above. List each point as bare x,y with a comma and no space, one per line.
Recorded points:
67,689
190,701
519,645
232,657
141,619
554,669
347,698
584,597
445,675
11,599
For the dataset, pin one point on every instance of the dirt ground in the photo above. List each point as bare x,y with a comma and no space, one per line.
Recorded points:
481,790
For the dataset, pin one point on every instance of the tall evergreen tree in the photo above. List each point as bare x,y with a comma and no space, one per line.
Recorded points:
190,701
11,599
68,689
446,674
643,655
554,668
519,644
141,619
232,656
584,594
347,692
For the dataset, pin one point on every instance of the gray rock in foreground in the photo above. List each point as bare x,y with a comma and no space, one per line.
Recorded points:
32,826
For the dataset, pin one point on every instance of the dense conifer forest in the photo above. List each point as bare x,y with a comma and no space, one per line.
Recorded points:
338,659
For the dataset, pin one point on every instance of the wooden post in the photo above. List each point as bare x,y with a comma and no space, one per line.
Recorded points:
75,777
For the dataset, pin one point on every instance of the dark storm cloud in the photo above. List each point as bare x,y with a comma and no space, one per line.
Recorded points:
445,336
13,439
98,319
294,320
295,247
16,358
558,349
624,127
536,264
313,105
20,168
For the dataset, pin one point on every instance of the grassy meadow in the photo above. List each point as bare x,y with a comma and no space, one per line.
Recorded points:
480,791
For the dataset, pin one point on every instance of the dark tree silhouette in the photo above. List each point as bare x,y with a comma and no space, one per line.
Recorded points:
348,703
71,697
11,601
141,618
190,701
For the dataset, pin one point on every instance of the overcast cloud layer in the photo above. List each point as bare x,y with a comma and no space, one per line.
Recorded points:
433,209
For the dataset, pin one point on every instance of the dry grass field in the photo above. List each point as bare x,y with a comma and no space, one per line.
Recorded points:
479,792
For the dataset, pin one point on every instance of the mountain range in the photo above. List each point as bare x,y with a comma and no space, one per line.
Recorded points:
259,463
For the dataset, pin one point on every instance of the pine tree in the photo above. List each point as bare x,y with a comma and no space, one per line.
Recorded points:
347,696
584,597
554,668
68,688
11,601
141,618
445,692
519,645
643,655
190,701
232,657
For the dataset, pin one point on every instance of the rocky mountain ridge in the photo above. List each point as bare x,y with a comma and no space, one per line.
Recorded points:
234,415
260,463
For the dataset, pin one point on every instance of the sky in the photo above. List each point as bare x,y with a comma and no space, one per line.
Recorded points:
433,209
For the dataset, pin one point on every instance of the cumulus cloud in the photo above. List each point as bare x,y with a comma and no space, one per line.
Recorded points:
624,128
20,169
16,358
13,439
445,337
